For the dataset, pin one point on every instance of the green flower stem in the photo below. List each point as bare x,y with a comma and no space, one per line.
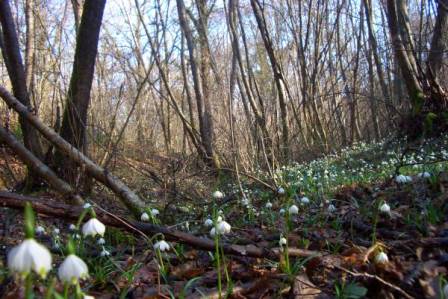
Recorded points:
29,286
66,289
218,262
50,289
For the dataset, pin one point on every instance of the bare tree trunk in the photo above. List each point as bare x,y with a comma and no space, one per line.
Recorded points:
374,49
127,196
203,105
280,82
439,43
398,25
74,121
17,75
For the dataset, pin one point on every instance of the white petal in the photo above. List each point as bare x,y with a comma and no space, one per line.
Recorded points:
93,227
72,269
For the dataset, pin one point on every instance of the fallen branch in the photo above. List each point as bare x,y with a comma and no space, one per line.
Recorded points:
39,167
377,278
127,196
60,210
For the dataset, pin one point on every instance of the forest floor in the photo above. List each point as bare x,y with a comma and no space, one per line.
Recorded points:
334,244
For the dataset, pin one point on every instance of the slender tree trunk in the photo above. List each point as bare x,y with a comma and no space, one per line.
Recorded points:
439,43
18,77
74,121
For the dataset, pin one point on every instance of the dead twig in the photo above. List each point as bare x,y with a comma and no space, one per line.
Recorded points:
377,278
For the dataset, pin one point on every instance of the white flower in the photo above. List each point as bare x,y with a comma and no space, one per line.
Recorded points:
282,241
305,200
155,212
93,227
381,258
144,217
385,208
212,232
281,191
101,241
424,175
218,194
29,255
268,205
219,219
445,290
87,205
331,208
402,179
293,210
224,227
88,297
72,227
72,269
220,212
40,230
56,231
162,246
282,211
208,222
104,253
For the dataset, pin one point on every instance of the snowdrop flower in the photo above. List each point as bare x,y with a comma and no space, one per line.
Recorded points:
219,219
93,227
424,175
293,210
212,232
218,194
162,246
87,205
381,258
224,227
72,227
40,230
220,212
29,255
445,290
76,236
331,208
104,253
208,222
144,217
402,179
88,297
73,269
268,205
155,212
282,241
101,241
305,200
56,231
281,191
282,211
385,208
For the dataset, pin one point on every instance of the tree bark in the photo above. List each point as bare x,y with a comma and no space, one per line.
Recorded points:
203,106
280,82
16,71
74,121
439,43
398,25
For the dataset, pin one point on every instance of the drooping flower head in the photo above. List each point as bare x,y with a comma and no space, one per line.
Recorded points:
73,269
29,255
93,227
